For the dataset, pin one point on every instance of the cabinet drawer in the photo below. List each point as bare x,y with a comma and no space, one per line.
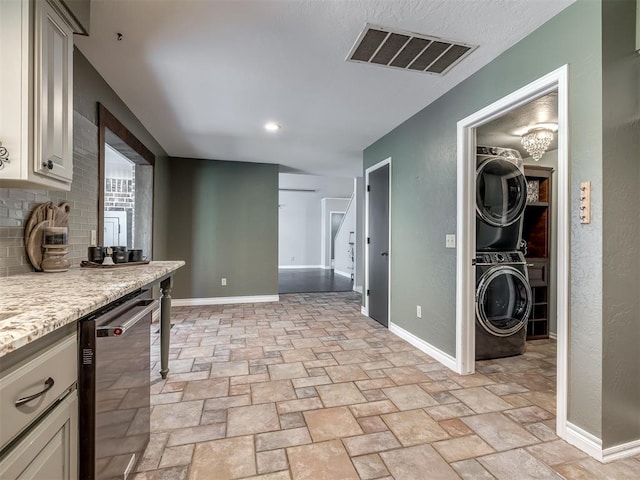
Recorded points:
537,270
49,450
58,363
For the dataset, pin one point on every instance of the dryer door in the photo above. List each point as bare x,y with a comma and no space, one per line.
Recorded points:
501,192
503,301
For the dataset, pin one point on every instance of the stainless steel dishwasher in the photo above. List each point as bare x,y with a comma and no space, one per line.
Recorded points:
113,387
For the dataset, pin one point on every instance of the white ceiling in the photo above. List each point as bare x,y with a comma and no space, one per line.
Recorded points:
203,76
294,187
507,130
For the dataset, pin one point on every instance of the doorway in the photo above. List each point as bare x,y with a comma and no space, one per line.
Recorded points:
465,283
115,228
378,242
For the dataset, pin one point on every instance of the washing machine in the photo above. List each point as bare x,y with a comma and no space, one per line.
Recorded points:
503,304
501,197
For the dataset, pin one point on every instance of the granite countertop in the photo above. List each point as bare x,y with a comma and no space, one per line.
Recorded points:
35,304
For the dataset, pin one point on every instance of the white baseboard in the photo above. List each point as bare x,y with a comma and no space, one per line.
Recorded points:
195,302
621,451
292,267
364,311
585,441
553,336
442,357
592,445
340,272
358,288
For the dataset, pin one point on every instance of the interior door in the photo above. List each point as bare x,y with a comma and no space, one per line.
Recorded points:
378,286
115,229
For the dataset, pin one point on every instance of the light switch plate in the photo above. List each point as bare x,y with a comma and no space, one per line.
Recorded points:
223,281
418,311
585,202
450,240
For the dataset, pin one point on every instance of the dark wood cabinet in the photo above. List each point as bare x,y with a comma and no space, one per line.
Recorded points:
536,233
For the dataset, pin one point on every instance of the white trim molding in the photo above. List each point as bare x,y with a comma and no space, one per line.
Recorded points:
592,445
341,273
364,311
442,357
293,267
618,452
584,440
196,302
465,222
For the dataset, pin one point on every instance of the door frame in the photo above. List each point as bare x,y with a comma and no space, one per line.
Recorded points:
365,304
556,80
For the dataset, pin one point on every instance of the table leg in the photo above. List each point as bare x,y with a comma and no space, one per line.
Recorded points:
165,324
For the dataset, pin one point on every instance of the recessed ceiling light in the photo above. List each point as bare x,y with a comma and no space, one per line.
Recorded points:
271,127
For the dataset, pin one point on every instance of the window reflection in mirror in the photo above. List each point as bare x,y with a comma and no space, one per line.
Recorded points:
126,197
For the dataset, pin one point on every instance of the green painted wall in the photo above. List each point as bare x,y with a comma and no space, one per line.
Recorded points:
223,221
621,249
423,151
89,88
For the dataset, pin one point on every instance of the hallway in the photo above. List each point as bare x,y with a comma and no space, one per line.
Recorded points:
308,388
312,280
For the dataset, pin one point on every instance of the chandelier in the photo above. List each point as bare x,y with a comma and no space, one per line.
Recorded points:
536,142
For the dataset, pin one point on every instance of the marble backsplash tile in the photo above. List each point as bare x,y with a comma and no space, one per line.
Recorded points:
16,204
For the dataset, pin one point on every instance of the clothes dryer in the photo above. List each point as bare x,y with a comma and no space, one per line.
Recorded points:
503,304
501,197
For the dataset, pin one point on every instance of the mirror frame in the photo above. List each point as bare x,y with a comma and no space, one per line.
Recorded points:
135,151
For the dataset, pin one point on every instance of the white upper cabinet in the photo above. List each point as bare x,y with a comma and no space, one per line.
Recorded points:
36,96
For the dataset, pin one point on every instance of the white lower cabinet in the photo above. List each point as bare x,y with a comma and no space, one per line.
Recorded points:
39,410
49,451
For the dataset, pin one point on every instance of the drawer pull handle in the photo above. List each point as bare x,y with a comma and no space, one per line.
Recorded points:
531,264
48,384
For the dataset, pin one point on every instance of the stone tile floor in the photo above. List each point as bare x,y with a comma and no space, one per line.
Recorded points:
308,388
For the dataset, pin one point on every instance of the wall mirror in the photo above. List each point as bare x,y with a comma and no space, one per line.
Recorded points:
125,203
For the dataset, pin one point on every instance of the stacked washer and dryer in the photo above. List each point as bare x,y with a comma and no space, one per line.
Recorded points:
503,294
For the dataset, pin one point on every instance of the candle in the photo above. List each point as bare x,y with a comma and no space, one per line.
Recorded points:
55,236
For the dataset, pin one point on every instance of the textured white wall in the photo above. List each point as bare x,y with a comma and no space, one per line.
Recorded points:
300,216
299,223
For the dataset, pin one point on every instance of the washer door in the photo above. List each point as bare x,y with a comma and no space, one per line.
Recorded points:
503,301
501,192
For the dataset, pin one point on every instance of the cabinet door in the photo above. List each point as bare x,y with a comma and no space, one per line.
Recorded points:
53,88
50,449
14,89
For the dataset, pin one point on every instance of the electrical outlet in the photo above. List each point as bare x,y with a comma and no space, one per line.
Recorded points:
418,311
93,238
223,282
450,240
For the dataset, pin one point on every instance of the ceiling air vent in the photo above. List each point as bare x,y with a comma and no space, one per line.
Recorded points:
407,50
